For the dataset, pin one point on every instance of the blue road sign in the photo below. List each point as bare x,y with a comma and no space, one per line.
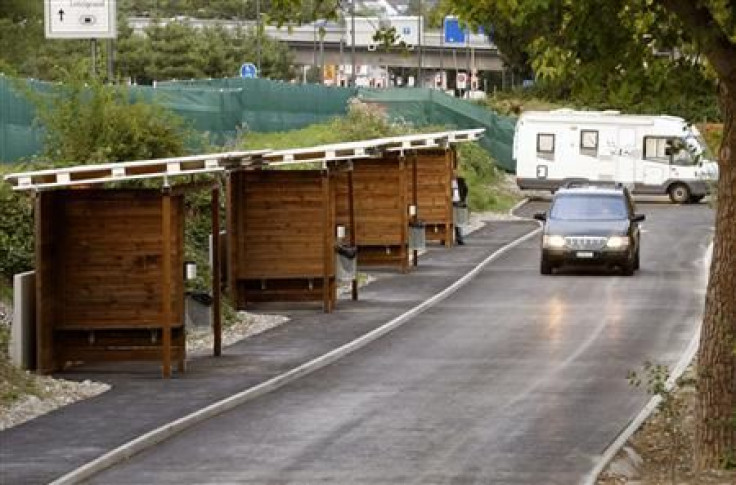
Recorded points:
248,70
454,32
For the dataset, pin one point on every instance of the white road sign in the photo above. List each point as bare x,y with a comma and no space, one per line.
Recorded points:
80,19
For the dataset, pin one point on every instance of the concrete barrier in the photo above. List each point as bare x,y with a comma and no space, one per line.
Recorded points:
23,328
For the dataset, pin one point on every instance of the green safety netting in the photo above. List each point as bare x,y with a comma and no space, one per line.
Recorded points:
431,107
222,107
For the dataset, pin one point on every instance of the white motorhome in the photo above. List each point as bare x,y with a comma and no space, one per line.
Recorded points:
650,154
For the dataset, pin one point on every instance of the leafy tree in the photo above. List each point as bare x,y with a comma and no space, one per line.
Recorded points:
615,47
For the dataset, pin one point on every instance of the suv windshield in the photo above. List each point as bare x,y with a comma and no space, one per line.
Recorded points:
588,208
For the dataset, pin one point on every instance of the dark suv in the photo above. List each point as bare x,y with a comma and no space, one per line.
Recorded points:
591,225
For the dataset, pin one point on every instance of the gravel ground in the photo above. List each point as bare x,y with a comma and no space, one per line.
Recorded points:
54,393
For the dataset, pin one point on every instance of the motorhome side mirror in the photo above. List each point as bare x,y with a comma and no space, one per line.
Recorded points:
540,216
639,218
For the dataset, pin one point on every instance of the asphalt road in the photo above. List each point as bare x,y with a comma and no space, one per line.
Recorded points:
517,378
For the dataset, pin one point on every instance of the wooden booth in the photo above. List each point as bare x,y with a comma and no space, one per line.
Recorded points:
381,204
430,189
282,236
110,261
108,276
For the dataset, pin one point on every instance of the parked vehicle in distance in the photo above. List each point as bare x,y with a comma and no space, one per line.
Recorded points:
591,225
649,154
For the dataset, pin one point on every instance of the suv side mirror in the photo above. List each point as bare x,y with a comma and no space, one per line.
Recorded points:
638,218
541,216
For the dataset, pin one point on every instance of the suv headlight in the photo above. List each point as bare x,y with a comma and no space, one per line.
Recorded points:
617,242
555,242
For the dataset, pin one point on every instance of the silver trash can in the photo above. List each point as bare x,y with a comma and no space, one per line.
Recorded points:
461,214
346,263
417,236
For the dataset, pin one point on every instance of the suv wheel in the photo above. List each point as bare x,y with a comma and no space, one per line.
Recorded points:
627,268
545,267
679,193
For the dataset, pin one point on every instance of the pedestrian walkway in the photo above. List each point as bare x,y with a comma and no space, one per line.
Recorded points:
52,445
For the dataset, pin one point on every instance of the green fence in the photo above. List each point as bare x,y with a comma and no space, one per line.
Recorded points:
19,137
432,107
222,107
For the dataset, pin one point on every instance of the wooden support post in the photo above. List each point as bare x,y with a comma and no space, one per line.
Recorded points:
351,222
450,228
166,280
415,200
216,277
46,297
404,247
329,250
233,196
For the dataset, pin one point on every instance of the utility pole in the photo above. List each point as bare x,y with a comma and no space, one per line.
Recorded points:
419,46
352,34
258,36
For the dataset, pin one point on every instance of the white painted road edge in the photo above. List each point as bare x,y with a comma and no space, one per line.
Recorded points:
166,431
518,206
680,367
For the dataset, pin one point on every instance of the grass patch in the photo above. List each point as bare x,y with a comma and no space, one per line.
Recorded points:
14,383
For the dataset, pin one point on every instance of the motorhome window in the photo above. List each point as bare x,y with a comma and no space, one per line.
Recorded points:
589,142
546,145
660,149
655,148
682,152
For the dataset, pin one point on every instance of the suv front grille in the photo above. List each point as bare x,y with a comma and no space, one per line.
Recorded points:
585,242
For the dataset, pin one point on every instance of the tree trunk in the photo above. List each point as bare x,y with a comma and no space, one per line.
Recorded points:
716,430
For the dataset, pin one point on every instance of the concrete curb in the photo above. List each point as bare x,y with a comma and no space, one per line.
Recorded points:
518,206
153,437
677,371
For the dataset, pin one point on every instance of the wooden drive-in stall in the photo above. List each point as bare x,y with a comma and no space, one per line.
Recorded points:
381,210
282,232
109,262
430,186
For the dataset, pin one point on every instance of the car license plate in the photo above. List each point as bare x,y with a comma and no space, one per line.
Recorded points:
584,254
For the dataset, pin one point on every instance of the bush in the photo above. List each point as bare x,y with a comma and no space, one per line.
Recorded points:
362,122
16,231
486,191
86,121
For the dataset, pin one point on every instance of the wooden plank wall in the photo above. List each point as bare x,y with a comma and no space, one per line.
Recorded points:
99,257
381,210
434,194
282,236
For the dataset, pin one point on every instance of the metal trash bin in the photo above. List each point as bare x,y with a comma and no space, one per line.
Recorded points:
346,262
198,309
461,214
417,236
